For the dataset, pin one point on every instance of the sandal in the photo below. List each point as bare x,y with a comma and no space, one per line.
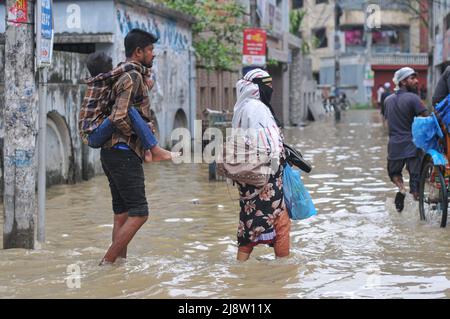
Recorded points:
399,201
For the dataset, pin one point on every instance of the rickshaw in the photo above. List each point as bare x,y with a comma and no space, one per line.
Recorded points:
435,170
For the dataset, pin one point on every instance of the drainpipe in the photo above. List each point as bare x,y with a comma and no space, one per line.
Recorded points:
42,136
192,93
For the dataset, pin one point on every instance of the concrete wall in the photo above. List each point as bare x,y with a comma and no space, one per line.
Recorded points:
174,91
2,101
352,75
68,160
303,91
216,90
318,16
172,98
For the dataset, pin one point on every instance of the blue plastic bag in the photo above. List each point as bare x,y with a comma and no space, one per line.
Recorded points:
443,111
425,132
442,105
298,201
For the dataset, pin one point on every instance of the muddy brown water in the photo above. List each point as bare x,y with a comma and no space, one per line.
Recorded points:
356,247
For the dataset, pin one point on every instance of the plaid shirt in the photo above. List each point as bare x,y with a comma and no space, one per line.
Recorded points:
114,93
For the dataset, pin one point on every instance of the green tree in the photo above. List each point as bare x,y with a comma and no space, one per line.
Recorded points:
295,18
217,30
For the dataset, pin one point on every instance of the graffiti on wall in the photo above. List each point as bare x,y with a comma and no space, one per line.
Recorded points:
20,158
167,30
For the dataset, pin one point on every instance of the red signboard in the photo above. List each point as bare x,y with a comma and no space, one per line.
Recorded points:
254,42
254,50
18,12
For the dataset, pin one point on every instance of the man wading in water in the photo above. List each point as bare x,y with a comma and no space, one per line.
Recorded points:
400,110
122,154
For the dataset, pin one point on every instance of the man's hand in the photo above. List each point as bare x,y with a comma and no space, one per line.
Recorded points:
425,114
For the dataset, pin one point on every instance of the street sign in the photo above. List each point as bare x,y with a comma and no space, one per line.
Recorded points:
254,49
44,33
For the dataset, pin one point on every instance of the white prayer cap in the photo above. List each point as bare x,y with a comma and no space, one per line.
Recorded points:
402,74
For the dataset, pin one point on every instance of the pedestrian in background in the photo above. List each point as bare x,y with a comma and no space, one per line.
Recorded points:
384,95
380,92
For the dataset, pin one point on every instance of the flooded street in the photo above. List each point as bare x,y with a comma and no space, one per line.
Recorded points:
357,246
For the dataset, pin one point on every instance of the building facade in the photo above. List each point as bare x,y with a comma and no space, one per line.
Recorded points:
440,33
83,27
371,47
285,60
294,88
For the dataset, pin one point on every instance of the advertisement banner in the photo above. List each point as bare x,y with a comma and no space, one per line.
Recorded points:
44,34
18,12
254,49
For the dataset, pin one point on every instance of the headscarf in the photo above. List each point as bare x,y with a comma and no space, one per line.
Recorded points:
252,86
250,112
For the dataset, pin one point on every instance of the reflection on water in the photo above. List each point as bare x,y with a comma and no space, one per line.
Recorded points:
357,246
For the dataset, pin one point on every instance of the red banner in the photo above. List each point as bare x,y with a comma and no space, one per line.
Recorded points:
254,42
18,12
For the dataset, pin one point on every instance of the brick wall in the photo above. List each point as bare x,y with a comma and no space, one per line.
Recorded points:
215,90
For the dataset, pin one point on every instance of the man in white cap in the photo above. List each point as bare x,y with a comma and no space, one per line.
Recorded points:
400,110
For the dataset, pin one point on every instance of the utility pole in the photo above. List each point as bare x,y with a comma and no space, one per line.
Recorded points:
368,56
337,66
337,44
253,14
20,114
430,77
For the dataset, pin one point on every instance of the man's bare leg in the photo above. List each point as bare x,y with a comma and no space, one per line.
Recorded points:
398,181
119,221
124,235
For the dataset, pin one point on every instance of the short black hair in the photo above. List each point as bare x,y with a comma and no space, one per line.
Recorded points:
138,38
99,62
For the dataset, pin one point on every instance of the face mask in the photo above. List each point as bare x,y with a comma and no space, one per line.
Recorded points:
265,93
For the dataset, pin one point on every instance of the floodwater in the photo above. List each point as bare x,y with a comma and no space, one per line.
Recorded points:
357,246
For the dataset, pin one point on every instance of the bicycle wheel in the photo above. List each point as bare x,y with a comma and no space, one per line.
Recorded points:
433,200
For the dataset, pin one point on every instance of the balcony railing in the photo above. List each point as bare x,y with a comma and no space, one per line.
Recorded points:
400,59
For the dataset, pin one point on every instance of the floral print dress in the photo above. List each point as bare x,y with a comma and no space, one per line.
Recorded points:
258,213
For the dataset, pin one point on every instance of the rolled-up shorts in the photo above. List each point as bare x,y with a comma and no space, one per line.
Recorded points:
125,174
413,165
